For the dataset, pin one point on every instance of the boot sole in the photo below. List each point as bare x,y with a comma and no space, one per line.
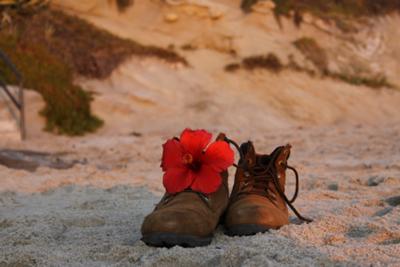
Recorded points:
170,239
246,229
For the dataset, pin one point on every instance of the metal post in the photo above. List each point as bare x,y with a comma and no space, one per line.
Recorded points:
18,104
22,112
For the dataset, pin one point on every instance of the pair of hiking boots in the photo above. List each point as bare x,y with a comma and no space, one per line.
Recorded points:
256,204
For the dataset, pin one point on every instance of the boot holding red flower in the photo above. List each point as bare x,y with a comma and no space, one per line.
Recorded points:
196,183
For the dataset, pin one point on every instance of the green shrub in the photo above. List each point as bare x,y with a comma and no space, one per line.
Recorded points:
67,109
50,47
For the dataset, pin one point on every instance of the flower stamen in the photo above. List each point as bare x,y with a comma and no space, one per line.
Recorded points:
187,159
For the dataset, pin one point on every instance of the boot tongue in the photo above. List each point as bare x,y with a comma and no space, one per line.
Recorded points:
249,153
279,155
284,153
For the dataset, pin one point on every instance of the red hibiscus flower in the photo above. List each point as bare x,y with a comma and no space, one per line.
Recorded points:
189,162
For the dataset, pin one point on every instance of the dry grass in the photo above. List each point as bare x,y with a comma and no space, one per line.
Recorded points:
313,52
332,8
269,62
89,51
377,81
232,67
272,63
124,4
247,4
338,11
317,55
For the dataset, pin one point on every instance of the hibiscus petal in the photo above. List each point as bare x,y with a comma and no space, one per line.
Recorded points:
195,141
177,179
172,155
219,156
207,180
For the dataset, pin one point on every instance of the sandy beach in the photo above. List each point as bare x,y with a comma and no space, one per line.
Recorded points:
82,200
90,214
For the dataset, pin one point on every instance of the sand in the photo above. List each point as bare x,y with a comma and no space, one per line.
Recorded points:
346,147
91,214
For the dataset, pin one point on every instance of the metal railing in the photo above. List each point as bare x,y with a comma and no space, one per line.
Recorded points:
17,100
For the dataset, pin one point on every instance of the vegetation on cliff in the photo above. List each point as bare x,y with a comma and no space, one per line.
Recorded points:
51,48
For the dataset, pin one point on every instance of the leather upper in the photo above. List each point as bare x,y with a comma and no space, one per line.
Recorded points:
188,212
255,198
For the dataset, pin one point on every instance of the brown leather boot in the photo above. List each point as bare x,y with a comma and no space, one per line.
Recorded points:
186,218
258,201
